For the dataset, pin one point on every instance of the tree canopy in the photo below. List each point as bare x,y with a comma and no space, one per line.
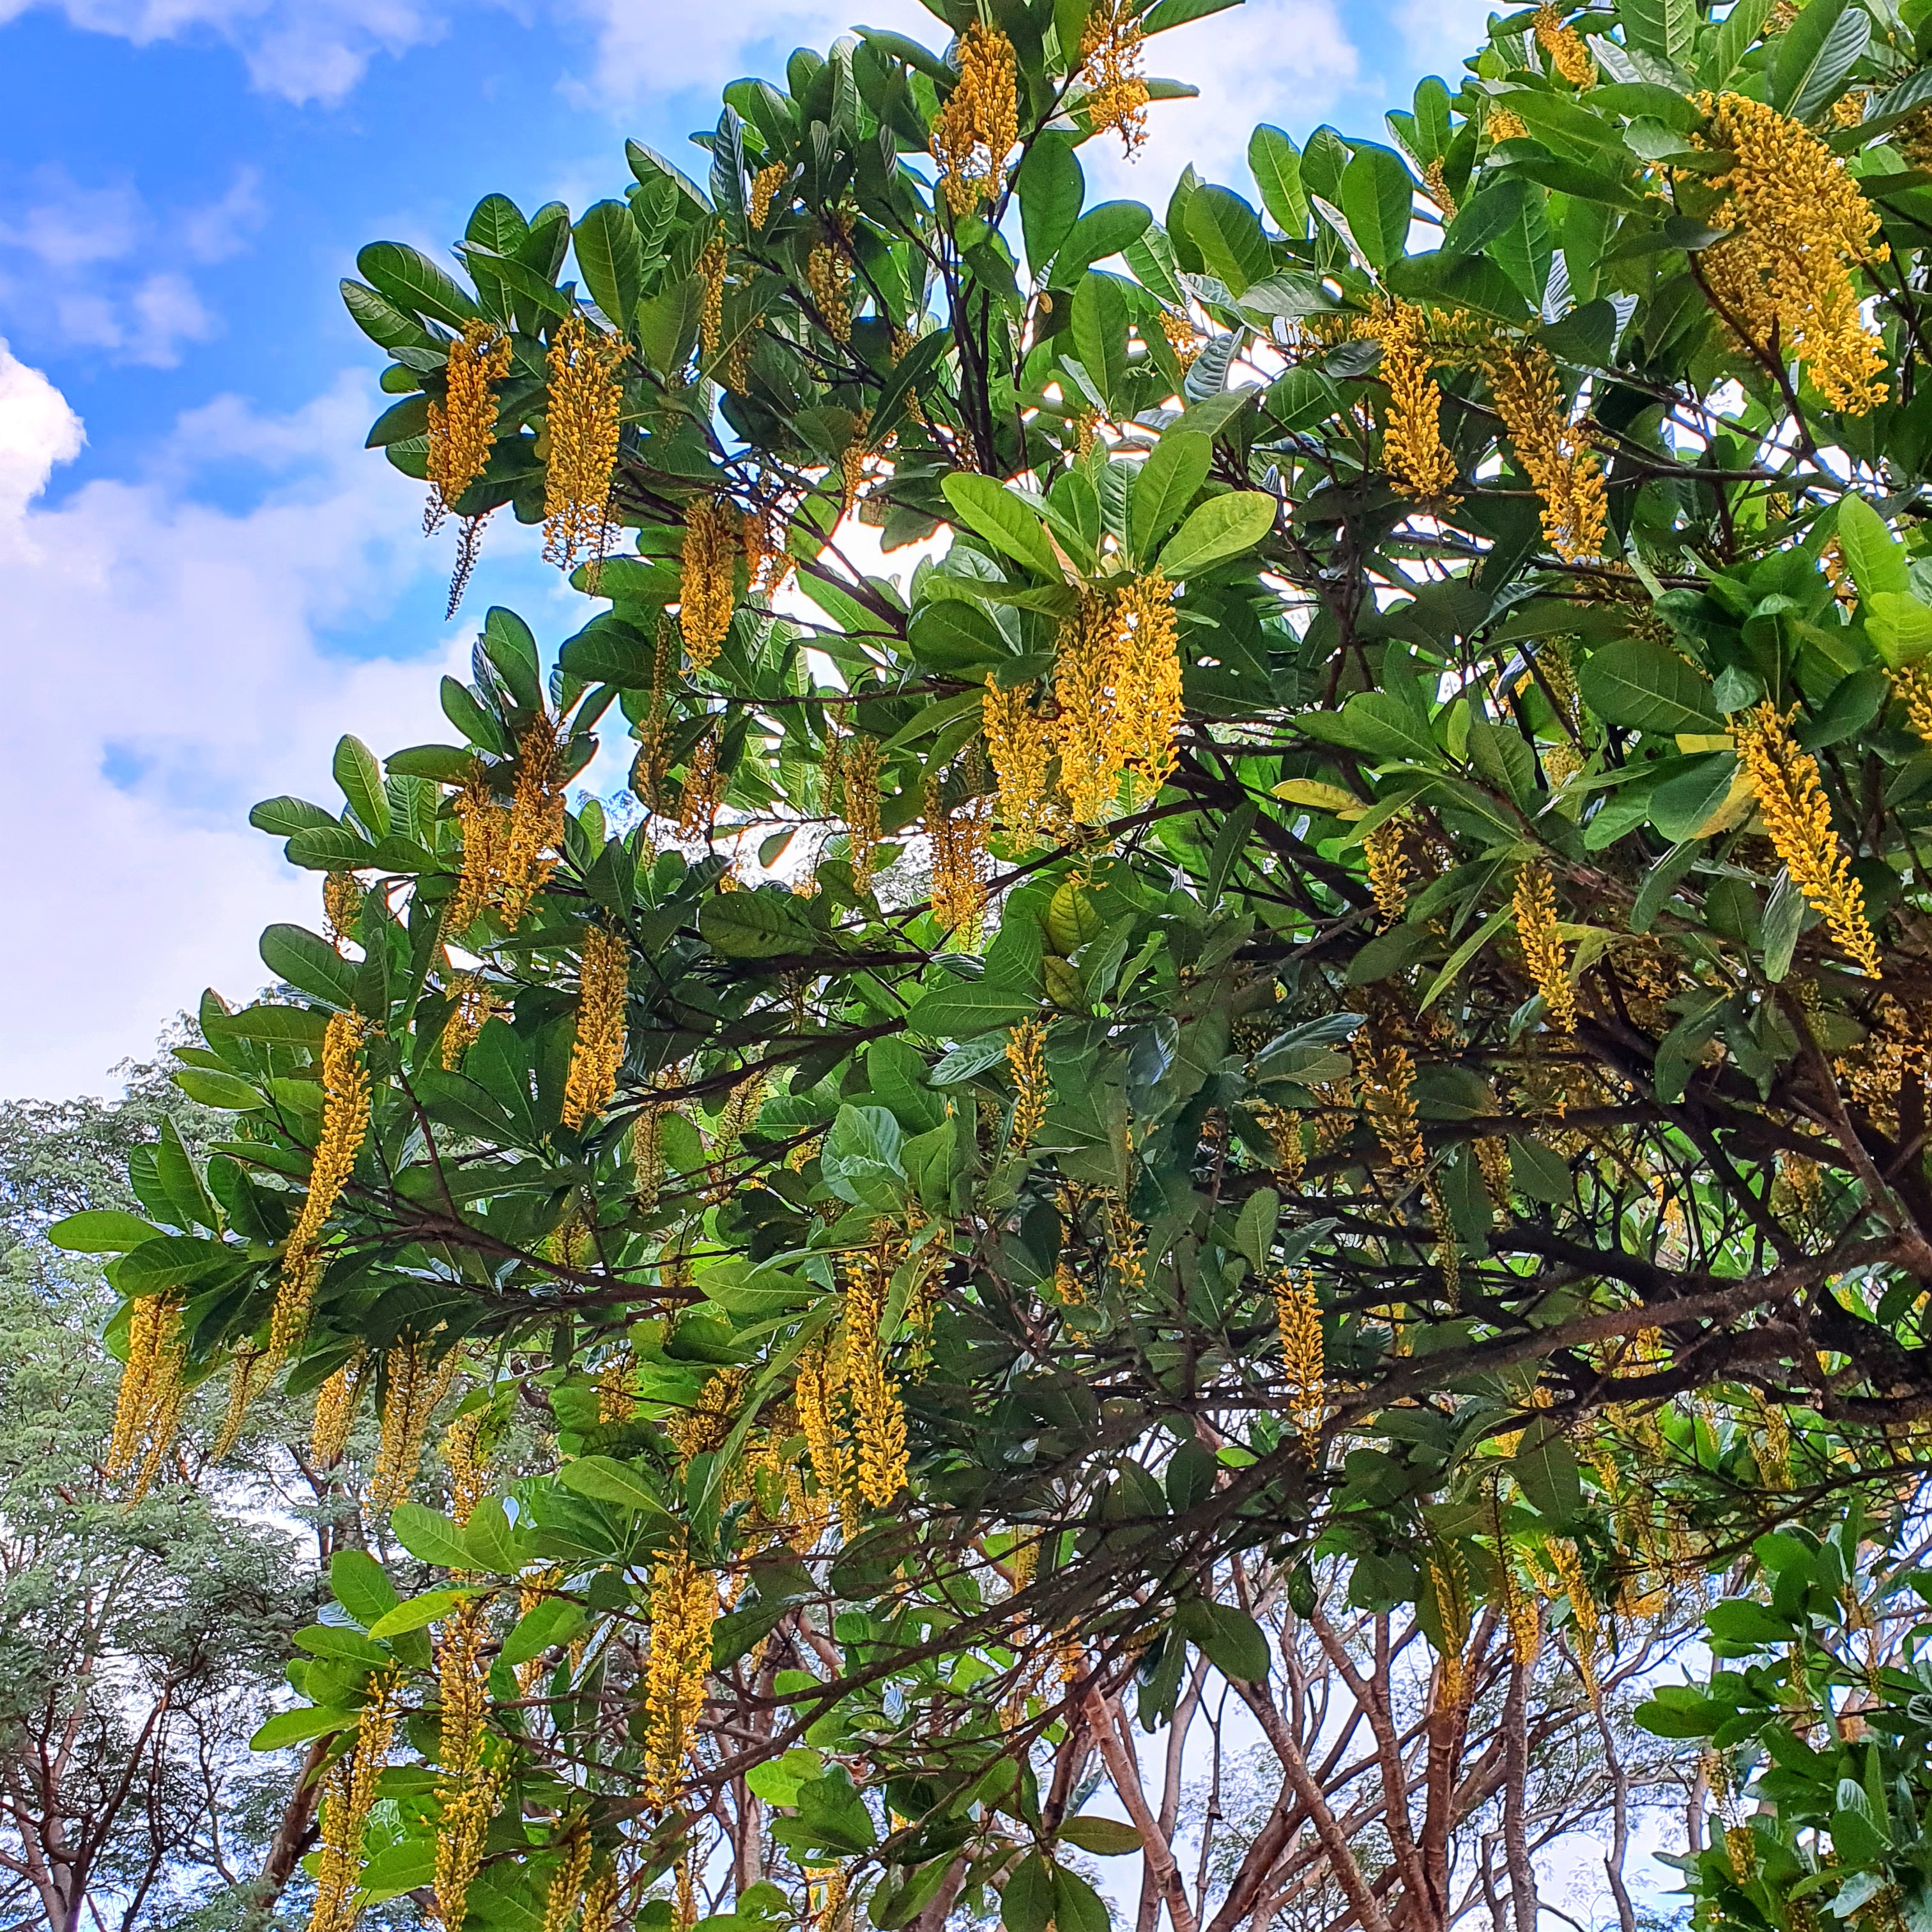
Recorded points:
1318,1008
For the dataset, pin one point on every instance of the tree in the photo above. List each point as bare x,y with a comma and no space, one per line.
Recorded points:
1407,1080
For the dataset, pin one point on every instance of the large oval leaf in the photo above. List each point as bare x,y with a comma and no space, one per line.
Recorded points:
1216,531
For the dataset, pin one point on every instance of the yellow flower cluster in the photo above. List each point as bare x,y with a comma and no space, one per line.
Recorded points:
1912,687
1118,688
413,1388
878,1417
1020,742
1567,53
472,1001
1584,1621
1387,1075
1026,1055
348,1796
821,1384
1388,869
462,426
147,1411
1505,124
707,592
598,1052
341,907
567,1883
1412,445
335,1403
485,827
958,838
864,759
1542,951
1110,58
1437,180
466,1791
247,1366
1282,1126
1554,453
978,127
345,1121
1303,1368
536,821
1784,280
765,185
461,1449
713,259
1797,817
828,275
684,1606
583,415
1182,338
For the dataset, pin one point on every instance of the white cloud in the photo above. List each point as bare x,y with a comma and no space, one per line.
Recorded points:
1438,35
167,665
69,264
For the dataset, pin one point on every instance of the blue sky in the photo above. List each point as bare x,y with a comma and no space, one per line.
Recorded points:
203,578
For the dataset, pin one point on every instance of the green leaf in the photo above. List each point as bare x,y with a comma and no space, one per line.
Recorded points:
1105,229
284,817
1522,248
611,254
176,1260
1681,1720
550,1621
1254,1232
101,1230
1228,234
278,1025
298,1727
965,1011
1275,162
310,965
1876,558
1221,528
1545,1469
383,322
1815,53
1376,193
419,1612
360,778
1077,1906
427,1534
667,325
1027,1902
410,280
1105,1837
361,1585
1667,28
758,924
605,1480
1741,1622
493,1545
1643,685
1229,1637
1052,188
989,509
1099,329
208,1088
1899,625
1169,480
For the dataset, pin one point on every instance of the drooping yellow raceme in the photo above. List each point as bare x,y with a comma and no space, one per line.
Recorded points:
878,1416
335,1413
1783,281
684,1606
1110,58
958,840
979,125
1386,1076
1555,455
535,824
598,1052
828,275
1303,1367
341,907
1412,445
1388,869
1026,1056
821,1384
463,425
414,1386
1118,689
713,259
147,1411
1565,46
348,1797
584,410
1543,949
864,759
1797,815
345,1123
1020,743
765,185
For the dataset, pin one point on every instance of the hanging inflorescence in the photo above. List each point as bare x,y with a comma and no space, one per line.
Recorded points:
147,1412
958,838
597,1050
979,126
819,1387
345,1122
1117,690
1797,816
335,1405
765,185
707,581
684,1606
713,260
1020,743
341,907
535,830
1386,1076
1554,452
1026,1059
1568,55
878,1417
1412,445
1110,58
1543,949
1388,869
1783,280
864,759
472,1001
828,275
1449,1590
1303,1367
582,416
414,1384
349,1796
463,425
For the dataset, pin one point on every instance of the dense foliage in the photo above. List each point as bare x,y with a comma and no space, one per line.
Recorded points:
1319,1010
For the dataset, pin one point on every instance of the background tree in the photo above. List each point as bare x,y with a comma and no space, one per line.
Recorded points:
1405,1095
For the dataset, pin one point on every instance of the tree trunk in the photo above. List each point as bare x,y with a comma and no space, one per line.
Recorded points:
293,1837
1515,1774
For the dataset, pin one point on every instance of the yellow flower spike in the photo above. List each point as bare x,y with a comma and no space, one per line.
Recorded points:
1412,445
155,1356
349,1796
1584,1621
1110,58
474,1002
462,426
765,185
979,126
1911,685
467,1790
598,1052
341,907
828,275
1026,1056
864,759
1389,870
821,1381
485,826
713,259
1019,741
1555,455
1798,817
583,412
958,840
1567,53
1087,672
1148,696
335,1403
345,1123
535,823
683,1607
1783,281
1386,1076
567,1884
878,1417
1543,949
412,1392
707,584
1503,125
1304,1369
